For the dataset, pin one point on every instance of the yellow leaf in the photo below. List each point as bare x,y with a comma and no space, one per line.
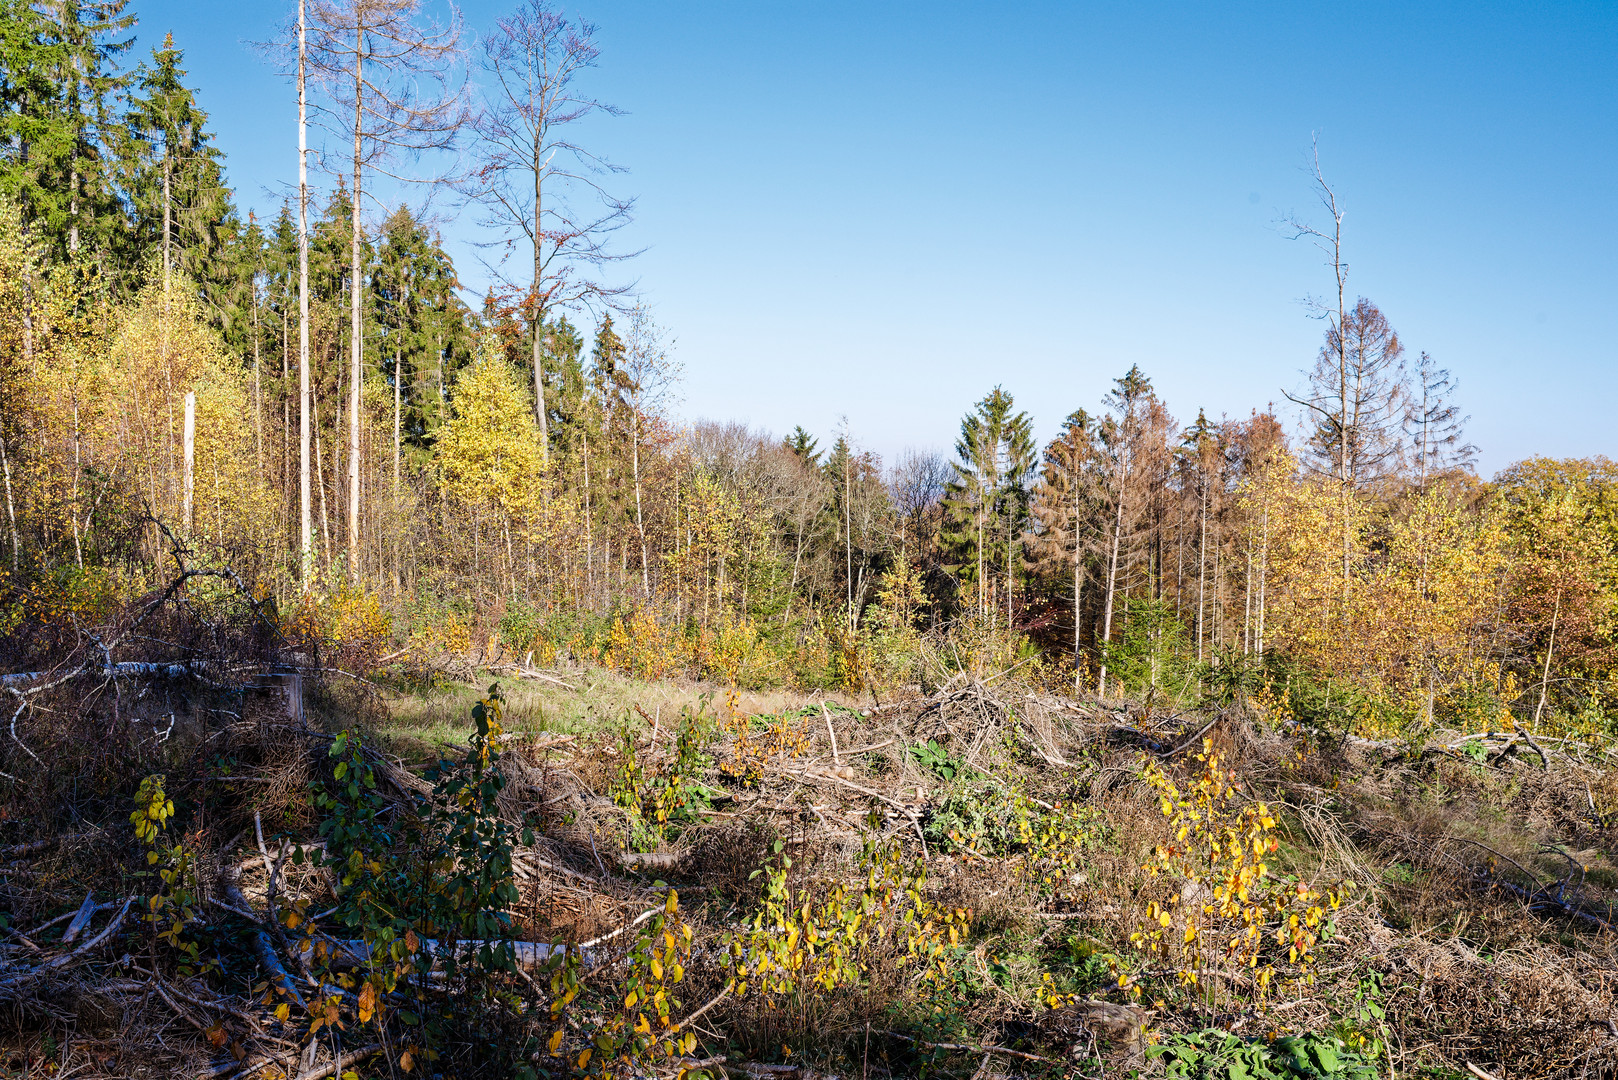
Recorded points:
555,1046
407,1061
282,1011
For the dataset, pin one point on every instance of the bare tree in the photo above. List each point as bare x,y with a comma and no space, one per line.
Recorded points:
645,380
1356,437
390,74
916,484
1330,240
533,179
1434,424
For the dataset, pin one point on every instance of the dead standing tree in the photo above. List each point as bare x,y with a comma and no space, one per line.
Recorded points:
1356,388
391,78
533,180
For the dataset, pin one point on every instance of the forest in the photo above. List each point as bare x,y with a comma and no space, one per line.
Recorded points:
398,681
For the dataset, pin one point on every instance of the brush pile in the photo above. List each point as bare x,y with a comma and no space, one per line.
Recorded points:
990,880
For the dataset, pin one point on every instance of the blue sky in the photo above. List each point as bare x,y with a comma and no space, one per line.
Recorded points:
882,210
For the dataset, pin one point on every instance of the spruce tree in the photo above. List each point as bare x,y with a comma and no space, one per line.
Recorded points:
172,176
58,79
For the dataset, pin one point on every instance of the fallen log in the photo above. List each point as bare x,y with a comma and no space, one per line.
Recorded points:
263,947
22,978
530,955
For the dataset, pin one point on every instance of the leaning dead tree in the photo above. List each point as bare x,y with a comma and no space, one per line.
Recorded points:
391,77
533,180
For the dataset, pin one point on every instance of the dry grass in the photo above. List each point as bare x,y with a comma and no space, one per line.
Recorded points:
1481,889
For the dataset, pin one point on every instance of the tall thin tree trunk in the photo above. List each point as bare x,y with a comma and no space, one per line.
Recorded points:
306,541
1550,647
396,380
11,509
325,518
258,388
1112,584
589,528
1078,582
356,342
190,452
541,414
640,523
1202,568
848,533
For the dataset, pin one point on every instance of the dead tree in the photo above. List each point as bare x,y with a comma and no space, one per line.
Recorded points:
533,180
391,78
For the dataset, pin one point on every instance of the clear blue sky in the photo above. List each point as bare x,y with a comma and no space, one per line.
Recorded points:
881,210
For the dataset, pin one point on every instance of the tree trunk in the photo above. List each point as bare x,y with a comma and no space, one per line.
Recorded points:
541,416
640,523
1078,583
190,444
396,380
1550,647
356,344
306,544
11,509
1112,585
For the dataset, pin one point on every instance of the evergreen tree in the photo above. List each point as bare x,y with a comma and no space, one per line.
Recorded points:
803,444
1433,423
175,187
58,80
987,501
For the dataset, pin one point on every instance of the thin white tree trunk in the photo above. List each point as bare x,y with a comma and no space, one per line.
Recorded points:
356,344
190,451
306,542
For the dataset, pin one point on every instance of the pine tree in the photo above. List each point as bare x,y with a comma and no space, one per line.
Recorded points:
987,501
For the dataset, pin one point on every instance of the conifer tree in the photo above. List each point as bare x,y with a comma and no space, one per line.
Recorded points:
172,174
58,82
1433,423
987,500
1066,501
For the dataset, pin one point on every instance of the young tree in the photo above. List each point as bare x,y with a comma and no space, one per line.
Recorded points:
390,75
533,179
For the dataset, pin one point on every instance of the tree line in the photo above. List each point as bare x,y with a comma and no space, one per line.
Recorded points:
313,401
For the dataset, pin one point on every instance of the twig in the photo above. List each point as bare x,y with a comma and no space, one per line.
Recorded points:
1005,1050
340,1063
642,917
831,731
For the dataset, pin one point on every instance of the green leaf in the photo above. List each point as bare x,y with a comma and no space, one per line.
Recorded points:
1325,1056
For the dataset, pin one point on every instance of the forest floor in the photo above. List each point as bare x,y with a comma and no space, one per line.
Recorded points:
1003,881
